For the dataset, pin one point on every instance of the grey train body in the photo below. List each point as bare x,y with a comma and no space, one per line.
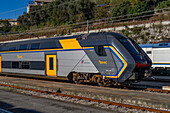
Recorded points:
159,53
95,57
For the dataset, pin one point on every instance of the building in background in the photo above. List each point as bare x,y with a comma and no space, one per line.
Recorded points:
13,22
9,22
37,2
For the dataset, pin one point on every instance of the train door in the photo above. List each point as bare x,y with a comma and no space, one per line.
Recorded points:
0,63
51,65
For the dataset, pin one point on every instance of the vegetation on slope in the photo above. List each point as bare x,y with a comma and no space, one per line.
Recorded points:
4,26
64,12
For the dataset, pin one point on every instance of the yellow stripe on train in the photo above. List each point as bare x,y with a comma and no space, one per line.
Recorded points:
74,44
123,60
70,44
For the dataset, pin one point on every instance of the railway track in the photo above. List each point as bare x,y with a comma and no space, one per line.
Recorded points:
155,84
158,78
64,80
88,99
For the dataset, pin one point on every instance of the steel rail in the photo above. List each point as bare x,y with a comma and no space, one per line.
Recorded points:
157,90
64,80
89,99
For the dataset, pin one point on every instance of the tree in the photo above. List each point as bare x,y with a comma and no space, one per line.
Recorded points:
134,2
6,27
85,7
138,8
163,4
121,9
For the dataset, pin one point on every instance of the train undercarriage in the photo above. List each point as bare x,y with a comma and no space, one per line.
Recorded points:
98,79
91,78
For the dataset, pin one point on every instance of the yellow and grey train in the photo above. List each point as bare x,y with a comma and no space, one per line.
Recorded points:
96,57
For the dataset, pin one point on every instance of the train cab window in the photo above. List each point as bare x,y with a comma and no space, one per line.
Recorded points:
35,46
100,51
12,48
25,65
23,47
15,65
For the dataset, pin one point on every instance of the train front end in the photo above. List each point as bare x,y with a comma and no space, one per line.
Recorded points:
135,61
114,57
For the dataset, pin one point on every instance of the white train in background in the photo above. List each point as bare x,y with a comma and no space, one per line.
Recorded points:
159,53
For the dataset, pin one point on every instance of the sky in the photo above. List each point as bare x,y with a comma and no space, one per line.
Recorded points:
11,9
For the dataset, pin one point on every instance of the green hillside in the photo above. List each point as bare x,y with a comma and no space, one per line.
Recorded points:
64,12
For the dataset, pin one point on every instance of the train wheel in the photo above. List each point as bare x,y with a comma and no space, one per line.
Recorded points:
77,78
98,79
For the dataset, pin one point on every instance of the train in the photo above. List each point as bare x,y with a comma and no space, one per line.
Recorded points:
101,58
159,53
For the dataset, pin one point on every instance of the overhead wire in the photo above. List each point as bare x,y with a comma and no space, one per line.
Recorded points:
130,14
99,23
12,10
89,13
92,21
55,27
134,17
103,22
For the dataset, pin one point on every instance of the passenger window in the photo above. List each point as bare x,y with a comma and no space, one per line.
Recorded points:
51,63
25,65
15,65
35,46
23,47
12,49
163,44
4,49
100,51
148,52
48,45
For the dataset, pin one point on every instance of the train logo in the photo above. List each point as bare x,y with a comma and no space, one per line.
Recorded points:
102,62
84,62
19,57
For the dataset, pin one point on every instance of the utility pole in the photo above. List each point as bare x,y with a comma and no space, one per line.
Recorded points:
87,26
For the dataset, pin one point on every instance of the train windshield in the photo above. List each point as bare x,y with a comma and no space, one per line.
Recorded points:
131,48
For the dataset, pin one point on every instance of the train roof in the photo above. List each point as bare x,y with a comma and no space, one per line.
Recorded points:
37,39
156,45
34,40
85,40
